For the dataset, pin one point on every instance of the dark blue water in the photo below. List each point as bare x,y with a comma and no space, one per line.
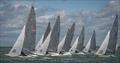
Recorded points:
90,58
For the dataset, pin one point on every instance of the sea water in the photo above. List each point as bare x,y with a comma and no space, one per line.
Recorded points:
78,58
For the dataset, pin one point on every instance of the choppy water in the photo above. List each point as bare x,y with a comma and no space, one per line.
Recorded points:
90,58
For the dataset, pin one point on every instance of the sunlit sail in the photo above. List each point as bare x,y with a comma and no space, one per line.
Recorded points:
17,48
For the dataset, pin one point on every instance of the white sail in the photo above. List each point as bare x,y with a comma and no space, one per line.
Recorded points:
104,45
74,46
60,45
39,43
16,49
43,49
86,49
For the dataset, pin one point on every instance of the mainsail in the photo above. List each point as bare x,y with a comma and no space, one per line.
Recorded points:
69,38
81,40
55,34
43,37
16,49
91,45
103,47
113,36
30,34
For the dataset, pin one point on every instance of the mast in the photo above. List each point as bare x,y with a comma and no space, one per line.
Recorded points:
55,34
30,33
69,38
113,36
81,40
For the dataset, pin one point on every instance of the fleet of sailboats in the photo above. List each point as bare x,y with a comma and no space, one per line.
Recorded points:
49,43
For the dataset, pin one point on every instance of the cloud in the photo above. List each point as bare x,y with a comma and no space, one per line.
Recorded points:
61,13
14,15
21,6
43,19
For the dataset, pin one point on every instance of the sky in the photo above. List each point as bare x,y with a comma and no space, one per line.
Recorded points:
95,15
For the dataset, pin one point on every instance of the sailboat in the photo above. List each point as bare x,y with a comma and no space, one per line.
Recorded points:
49,45
91,45
25,43
64,45
78,44
42,50
55,34
69,38
44,36
109,44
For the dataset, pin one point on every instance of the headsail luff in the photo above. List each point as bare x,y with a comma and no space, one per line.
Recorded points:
55,34
113,36
69,38
30,33
17,48
43,37
81,40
